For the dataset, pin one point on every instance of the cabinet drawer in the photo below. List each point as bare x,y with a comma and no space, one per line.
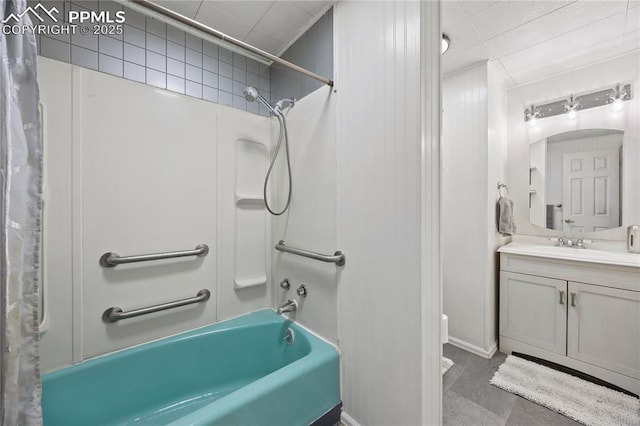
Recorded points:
533,310
624,277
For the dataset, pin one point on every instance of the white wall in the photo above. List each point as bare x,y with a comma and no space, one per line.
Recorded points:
594,77
473,162
310,222
380,326
464,195
131,177
496,172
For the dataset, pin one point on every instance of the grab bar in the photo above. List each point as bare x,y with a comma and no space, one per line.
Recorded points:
111,259
115,313
338,257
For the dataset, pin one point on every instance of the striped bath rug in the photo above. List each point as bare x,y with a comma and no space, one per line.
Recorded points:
582,401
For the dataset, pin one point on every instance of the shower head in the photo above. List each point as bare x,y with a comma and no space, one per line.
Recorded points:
251,94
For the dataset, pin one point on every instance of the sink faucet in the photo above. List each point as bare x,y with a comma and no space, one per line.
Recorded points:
289,306
568,242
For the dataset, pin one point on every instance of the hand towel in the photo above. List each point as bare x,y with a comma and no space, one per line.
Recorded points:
506,225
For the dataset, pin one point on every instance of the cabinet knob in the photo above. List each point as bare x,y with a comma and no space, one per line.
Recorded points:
562,297
573,299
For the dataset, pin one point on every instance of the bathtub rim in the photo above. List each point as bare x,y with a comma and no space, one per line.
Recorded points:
321,353
195,331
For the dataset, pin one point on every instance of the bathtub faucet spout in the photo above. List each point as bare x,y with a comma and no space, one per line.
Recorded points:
289,306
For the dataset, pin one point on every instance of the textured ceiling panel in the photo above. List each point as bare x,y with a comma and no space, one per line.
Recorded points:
187,8
633,19
561,47
313,7
504,16
465,36
270,25
234,18
452,13
264,41
562,21
282,21
472,7
536,39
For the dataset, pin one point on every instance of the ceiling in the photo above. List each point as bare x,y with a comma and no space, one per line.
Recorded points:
531,40
528,40
266,24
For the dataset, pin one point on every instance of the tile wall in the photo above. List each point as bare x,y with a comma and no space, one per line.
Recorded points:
313,51
157,54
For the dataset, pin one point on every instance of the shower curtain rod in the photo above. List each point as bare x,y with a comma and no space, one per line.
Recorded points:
233,41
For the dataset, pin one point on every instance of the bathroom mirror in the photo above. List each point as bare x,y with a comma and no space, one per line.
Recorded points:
575,180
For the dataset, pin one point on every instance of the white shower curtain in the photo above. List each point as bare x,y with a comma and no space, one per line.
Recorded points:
20,205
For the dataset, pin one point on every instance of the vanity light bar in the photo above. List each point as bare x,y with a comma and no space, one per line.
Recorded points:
586,101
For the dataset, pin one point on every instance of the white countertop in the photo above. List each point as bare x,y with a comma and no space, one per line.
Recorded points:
606,252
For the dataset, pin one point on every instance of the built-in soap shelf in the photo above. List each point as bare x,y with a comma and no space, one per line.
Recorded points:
251,219
250,282
249,201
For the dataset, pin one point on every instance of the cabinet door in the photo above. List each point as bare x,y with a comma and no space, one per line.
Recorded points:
533,310
604,327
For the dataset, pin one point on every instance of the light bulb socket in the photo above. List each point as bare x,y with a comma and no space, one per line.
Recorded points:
618,95
571,107
532,114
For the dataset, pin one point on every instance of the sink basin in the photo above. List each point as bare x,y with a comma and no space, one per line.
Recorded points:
612,253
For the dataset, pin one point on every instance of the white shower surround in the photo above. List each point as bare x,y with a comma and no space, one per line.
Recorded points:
101,185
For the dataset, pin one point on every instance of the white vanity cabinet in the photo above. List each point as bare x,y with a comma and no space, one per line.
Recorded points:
533,310
603,327
581,314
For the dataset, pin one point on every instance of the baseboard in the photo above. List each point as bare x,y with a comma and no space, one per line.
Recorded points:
347,420
476,350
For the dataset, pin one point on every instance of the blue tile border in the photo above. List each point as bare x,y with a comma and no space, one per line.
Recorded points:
154,53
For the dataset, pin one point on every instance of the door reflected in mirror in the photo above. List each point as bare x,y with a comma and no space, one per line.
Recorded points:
575,181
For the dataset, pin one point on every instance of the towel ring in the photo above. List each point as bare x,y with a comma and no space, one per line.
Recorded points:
502,186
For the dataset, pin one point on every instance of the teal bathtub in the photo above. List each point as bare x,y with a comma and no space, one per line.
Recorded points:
244,371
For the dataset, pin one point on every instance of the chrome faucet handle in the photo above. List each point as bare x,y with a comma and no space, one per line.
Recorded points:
284,284
302,291
559,240
581,243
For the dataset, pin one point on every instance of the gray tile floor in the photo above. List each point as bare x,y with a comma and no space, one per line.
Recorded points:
469,399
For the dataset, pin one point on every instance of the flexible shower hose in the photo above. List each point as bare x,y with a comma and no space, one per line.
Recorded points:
283,132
